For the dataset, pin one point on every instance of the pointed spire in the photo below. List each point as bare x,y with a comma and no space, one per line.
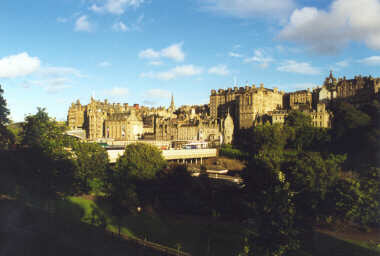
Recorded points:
172,103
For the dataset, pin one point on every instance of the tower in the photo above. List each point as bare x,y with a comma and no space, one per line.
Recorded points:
172,107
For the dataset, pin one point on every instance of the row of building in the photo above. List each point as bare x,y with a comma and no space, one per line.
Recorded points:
215,122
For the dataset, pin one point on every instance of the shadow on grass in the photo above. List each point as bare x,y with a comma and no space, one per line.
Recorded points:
320,244
192,234
31,231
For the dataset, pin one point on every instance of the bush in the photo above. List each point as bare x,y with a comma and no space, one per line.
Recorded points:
230,152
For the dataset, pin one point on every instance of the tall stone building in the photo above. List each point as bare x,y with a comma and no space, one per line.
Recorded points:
245,103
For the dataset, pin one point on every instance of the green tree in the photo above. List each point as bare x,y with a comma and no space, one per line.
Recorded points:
4,111
299,130
139,166
91,162
6,137
49,163
263,137
310,177
272,229
298,120
41,131
141,161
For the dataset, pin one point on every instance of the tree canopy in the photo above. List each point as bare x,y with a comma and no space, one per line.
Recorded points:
141,161
4,111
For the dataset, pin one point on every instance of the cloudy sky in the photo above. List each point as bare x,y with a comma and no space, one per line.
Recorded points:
140,51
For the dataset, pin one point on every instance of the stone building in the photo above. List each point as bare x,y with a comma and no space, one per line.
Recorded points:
124,126
294,99
245,103
357,90
320,117
75,117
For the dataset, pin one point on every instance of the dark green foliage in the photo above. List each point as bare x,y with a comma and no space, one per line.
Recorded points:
6,137
229,151
356,199
310,177
303,136
4,111
135,177
263,137
298,120
40,131
176,189
272,229
141,162
356,132
91,161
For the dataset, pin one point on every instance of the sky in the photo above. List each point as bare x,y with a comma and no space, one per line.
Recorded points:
142,51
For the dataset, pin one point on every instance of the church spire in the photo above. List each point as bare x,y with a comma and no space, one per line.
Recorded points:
172,103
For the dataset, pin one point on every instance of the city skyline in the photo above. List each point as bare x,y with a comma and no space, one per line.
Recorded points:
139,51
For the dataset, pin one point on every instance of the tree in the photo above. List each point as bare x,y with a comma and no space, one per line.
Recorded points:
91,162
6,137
299,130
272,229
48,161
259,138
141,161
40,131
310,177
139,166
4,111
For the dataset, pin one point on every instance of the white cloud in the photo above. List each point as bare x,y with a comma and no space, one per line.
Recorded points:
329,31
149,54
120,26
260,58
53,85
156,63
250,8
18,65
116,7
59,71
221,70
173,52
158,93
178,71
234,54
82,24
104,64
372,61
343,63
117,92
298,67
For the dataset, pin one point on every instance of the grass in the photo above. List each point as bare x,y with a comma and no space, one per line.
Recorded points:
205,236
192,235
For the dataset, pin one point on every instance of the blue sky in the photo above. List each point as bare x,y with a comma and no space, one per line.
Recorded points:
140,51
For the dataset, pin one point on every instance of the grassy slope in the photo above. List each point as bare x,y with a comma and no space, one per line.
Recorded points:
193,235
26,230
199,236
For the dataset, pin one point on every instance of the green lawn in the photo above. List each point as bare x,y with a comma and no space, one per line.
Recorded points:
200,236
192,235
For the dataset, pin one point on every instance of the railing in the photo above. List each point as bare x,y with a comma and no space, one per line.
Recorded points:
152,245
